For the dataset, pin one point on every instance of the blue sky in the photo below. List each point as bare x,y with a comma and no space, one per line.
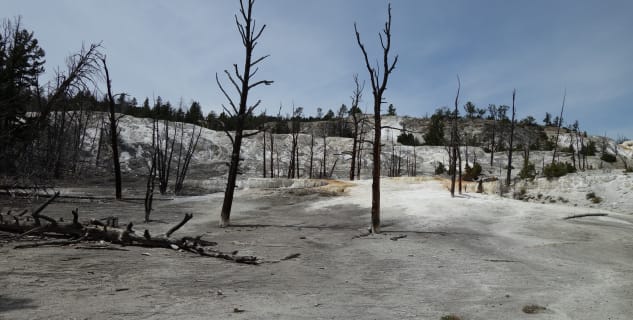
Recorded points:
174,48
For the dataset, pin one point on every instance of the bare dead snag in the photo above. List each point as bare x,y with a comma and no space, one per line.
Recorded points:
378,88
241,110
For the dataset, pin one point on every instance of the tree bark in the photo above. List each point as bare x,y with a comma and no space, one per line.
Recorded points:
249,35
509,172
378,88
113,134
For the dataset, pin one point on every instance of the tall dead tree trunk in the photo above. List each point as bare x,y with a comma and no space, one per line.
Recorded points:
492,109
324,162
149,190
114,137
181,172
361,143
378,88
454,143
272,154
311,154
264,153
356,121
509,173
558,125
249,35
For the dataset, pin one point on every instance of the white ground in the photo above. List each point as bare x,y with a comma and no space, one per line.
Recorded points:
476,256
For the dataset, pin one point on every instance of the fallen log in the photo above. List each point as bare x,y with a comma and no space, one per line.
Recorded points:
586,215
96,230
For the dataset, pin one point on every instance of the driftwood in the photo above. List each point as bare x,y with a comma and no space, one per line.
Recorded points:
586,215
96,230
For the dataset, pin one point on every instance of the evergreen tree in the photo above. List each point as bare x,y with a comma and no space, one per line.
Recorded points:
329,115
194,114
548,119
146,111
471,110
435,134
21,63
391,110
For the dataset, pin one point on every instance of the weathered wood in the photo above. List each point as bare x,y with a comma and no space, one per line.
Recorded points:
187,217
36,213
96,230
586,215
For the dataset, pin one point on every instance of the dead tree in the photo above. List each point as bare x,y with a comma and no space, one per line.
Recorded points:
241,82
295,125
378,88
454,141
324,162
114,137
311,154
165,150
361,143
558,125
95,230
356,123
181,170
264,152
151,177
509,173
492,109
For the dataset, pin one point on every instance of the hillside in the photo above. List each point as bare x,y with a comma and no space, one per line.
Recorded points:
208,166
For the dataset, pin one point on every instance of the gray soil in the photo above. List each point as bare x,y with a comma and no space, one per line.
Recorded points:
469,265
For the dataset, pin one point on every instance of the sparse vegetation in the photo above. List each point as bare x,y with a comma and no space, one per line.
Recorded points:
607,157
408,139
591,196
440,169
472,173
451,317
533,308
558,169
528,171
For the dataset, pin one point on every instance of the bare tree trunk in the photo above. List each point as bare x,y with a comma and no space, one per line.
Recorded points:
264,153
113,134
378,88
454,141
509,173
356,121
249,35
360,148
459,168
558,125
311,154
182,171
324,162
272,155
149,191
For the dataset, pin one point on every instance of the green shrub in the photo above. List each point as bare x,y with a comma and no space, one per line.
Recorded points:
591,196
440,168
607,157
472,173
558,169
570,167
528,171
589,149
408,139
